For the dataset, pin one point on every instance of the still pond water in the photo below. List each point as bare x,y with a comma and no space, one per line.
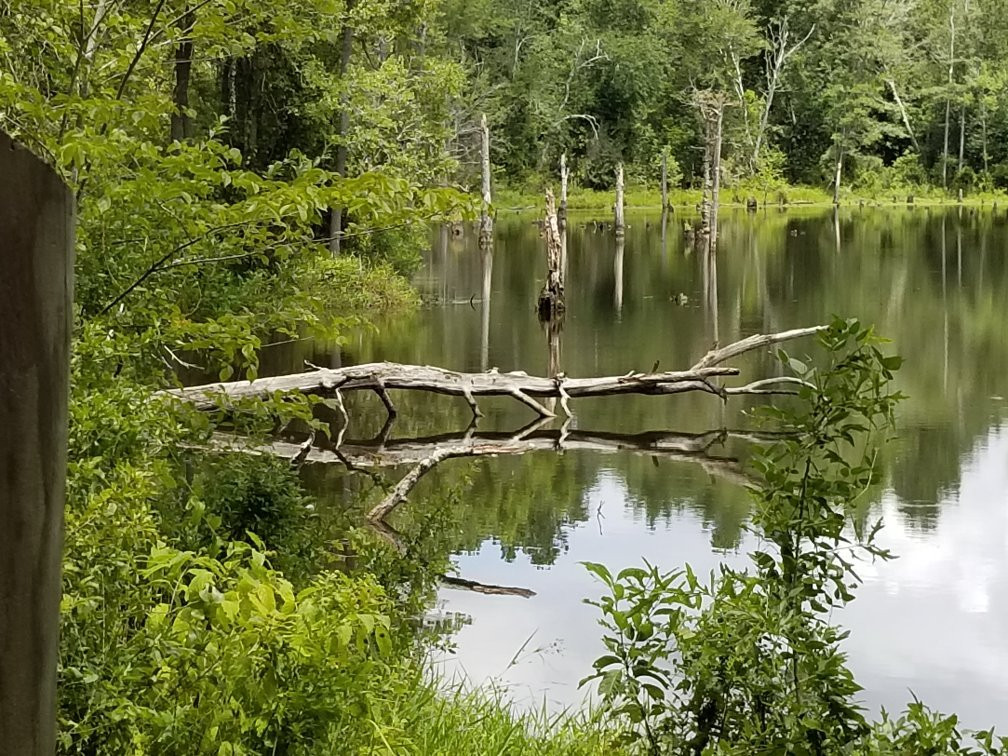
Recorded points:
933,622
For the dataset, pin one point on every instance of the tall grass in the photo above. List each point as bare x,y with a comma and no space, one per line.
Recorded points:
428,718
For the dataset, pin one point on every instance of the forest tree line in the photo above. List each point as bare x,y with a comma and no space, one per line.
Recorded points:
882,93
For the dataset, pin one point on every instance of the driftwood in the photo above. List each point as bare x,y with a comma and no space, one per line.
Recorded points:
380,377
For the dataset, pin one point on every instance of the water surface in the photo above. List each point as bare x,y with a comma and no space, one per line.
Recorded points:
934,621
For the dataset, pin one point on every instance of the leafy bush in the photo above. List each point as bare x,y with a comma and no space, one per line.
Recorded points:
748,662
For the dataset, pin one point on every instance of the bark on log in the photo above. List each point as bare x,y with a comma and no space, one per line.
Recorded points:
379,376
36,226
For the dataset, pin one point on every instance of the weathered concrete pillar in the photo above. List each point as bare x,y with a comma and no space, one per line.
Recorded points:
36,275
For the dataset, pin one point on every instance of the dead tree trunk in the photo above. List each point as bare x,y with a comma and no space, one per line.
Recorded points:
837,176
948,95
962,137
346,48
711,107
620,225
180,122
705,192
903,113
551,298
562,217
36,225
486,220
564,178
778,51
983,134
664,180
716,169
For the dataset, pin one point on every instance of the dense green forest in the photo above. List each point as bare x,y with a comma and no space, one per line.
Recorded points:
247,171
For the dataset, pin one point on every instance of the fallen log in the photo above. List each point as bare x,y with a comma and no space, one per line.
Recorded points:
380,377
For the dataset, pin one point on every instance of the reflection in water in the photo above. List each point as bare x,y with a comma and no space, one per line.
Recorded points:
486,255
934,620
618,275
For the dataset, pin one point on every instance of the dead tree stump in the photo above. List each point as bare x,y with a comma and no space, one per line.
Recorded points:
551,298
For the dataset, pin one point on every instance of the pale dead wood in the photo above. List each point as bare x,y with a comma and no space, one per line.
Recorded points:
380,377
486,220
618,207
551,298
757,341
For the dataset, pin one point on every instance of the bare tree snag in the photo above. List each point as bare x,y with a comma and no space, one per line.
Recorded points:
562,217
664,181
711,106
778,51
948,94
716,170
705,189
564,178
838,174
962,138
903,113
620,225
551,298
37,228
486,220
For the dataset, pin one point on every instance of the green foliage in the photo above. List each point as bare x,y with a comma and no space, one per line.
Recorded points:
749,662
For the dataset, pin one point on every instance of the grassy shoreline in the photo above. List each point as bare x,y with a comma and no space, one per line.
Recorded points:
649,198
